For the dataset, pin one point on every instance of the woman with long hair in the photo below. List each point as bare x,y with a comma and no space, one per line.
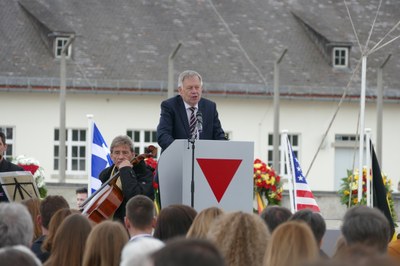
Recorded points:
105,243
173,221
33,206
202,221
69,242
241,237
55,222
292,243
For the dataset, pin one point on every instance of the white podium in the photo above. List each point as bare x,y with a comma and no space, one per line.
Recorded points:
223,174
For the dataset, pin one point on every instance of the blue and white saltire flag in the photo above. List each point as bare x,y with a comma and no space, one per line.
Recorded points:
100,158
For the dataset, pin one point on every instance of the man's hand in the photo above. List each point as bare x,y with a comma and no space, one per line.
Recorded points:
124,163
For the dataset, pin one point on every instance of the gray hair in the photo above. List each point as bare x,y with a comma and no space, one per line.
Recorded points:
121,140
365,225
18,255
16,226
186,74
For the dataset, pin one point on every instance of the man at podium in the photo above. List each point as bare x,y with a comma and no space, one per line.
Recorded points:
188,115
5,166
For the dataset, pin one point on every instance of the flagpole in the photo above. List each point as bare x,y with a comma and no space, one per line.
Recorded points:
369,165
89,152
284,144
361,128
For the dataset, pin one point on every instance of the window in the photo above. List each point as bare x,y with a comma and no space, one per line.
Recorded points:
75,150
294,140
59,44
347,140
340,57
9,132
142,139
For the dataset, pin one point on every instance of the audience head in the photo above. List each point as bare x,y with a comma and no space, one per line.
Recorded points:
184,251
48,207
33,206
241,238
275,215
16,227
359,255
135,253
292,243
55,223
140,214
105,243
202,221
18,255
173,221
81,196
70,240
367,226
314,220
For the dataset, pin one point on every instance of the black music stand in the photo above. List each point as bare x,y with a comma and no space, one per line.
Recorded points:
19,185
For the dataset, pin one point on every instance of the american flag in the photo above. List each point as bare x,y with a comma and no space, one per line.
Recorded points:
303,197
100,159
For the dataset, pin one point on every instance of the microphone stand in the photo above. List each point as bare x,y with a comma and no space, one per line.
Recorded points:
199,129
192,140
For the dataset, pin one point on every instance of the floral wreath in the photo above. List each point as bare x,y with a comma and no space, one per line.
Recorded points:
152,164
32,165
349,190
267,184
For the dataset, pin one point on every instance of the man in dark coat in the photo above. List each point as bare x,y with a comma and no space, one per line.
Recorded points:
5,166
136,179
176,113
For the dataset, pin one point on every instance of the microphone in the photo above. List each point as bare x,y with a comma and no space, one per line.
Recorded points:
199,118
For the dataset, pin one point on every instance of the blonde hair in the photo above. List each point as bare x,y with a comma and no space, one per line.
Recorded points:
104,244
201,223
291,243
241,237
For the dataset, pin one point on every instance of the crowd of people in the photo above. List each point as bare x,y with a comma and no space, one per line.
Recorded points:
179,235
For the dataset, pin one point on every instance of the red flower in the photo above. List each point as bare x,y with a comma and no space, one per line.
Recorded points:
31,167
155,185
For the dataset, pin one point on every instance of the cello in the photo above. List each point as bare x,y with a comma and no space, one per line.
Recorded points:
102,204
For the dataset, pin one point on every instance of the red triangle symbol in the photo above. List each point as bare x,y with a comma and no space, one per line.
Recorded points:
219,173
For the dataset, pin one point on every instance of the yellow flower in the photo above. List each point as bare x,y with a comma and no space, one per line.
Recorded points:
346,192
355,200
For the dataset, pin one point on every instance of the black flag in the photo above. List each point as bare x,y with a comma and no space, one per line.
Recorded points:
379,190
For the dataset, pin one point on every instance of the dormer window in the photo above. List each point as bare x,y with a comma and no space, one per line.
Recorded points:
340,57
59,44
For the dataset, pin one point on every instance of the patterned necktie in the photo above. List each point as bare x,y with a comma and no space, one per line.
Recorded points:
192,121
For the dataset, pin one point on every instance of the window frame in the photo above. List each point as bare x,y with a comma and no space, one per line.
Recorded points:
10,142
340,57
70,144
270,148
58,48
139,138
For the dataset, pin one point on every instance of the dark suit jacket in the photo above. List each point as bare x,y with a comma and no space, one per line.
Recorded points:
6,166
174,122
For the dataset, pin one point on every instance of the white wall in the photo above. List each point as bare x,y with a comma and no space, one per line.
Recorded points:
35,115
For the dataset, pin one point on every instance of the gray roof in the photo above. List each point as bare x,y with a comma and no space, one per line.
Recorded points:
124,45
